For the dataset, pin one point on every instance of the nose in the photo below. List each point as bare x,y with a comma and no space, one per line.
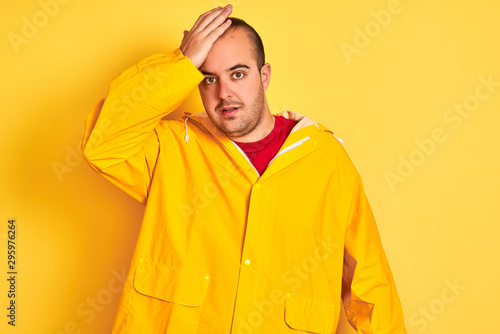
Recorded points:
224,89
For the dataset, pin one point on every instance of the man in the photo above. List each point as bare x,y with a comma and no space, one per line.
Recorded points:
254,223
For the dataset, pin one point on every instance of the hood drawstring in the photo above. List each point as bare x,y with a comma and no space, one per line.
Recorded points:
186,137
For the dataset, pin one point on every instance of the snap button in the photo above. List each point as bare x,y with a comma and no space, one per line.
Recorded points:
247,262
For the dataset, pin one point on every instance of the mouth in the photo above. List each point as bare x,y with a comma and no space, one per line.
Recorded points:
229,111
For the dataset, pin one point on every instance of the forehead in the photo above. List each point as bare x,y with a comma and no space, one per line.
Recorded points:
233,48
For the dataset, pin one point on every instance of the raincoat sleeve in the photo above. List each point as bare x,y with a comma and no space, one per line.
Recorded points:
120,140
369,294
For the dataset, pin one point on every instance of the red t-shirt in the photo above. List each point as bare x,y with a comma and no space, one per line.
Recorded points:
263,151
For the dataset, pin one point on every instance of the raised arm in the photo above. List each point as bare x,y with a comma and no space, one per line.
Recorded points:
120,140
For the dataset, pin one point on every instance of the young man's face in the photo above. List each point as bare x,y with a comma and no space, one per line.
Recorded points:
233,89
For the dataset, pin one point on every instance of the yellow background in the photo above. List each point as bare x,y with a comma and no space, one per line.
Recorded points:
439,222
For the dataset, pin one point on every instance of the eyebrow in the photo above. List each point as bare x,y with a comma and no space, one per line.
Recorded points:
229,70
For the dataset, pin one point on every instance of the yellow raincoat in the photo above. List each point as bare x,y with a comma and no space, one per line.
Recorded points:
222,249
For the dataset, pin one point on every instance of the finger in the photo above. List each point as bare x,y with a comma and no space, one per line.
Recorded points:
217,32
203,17
218,16
218,21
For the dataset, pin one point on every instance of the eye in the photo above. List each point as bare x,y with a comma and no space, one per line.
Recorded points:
209,80
238,75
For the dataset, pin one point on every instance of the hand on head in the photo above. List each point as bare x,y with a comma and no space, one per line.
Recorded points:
198,41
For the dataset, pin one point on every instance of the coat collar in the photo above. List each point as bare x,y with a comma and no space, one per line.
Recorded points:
306,136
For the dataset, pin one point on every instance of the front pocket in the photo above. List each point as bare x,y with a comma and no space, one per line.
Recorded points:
172,284
309,314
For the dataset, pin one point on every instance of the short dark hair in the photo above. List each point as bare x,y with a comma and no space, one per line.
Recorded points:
254,37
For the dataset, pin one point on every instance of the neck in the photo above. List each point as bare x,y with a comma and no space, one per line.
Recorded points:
264,128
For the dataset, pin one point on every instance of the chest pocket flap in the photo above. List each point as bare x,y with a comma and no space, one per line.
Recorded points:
308,314
172,284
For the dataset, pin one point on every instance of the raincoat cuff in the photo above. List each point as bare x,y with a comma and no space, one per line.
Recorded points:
179,56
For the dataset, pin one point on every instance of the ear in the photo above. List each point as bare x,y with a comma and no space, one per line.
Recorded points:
265,75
